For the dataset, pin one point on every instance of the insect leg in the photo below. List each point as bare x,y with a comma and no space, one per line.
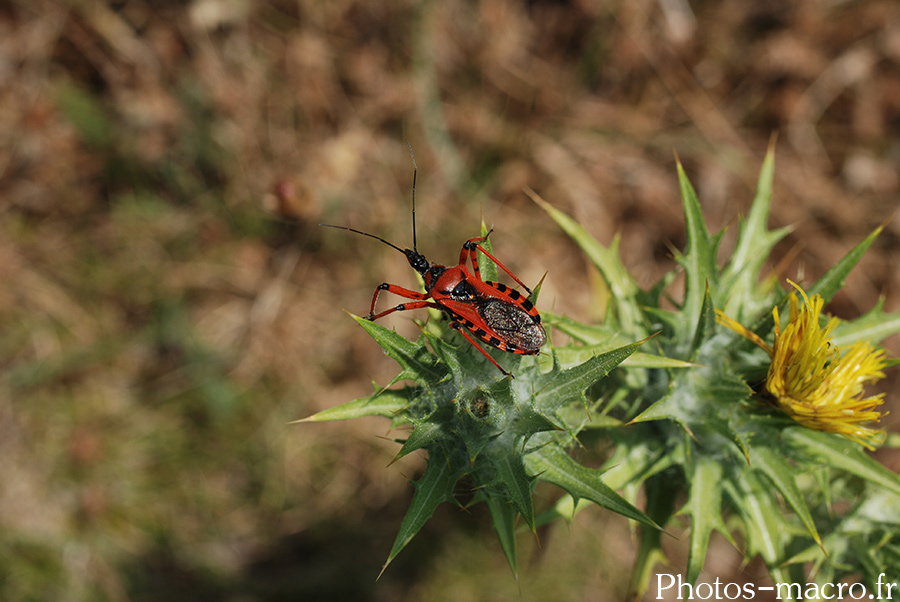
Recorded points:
403,307
470,249
459,327
397,290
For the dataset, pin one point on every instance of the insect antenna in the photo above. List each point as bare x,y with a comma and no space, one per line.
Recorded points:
415,170
416,259
365,234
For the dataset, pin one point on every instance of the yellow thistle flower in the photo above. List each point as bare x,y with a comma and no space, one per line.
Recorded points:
813,381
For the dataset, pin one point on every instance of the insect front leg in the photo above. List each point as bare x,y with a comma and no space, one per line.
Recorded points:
470,251
402,292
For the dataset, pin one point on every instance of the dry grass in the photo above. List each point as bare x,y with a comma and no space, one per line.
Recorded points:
169,303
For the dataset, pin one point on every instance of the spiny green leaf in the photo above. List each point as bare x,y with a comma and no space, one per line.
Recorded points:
621,285
638,462
553,465
503,516
840,453
832,281
874,326
423,435
822,478
731,419
589,334
417,363
699,258
706,323
705,508
662,492
506,458
387,403
579,419
836,544
740,439
881,507
433,488
739,286
649,360
627,467
669,407
826,286
450,355
528,422
772,464
701,399
767,530
570,356
873,566
749,249
560,387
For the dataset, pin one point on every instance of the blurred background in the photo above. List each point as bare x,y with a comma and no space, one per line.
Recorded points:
169,304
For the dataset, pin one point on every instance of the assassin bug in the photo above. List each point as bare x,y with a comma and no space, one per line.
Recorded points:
499,315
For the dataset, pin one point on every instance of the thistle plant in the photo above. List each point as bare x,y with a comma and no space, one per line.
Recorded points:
732,402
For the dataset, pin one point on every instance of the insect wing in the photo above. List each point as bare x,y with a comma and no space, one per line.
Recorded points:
516,327
498,323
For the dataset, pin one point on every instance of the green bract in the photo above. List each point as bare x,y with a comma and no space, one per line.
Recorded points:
681,410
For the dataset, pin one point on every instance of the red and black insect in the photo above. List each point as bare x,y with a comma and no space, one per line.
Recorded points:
499,315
